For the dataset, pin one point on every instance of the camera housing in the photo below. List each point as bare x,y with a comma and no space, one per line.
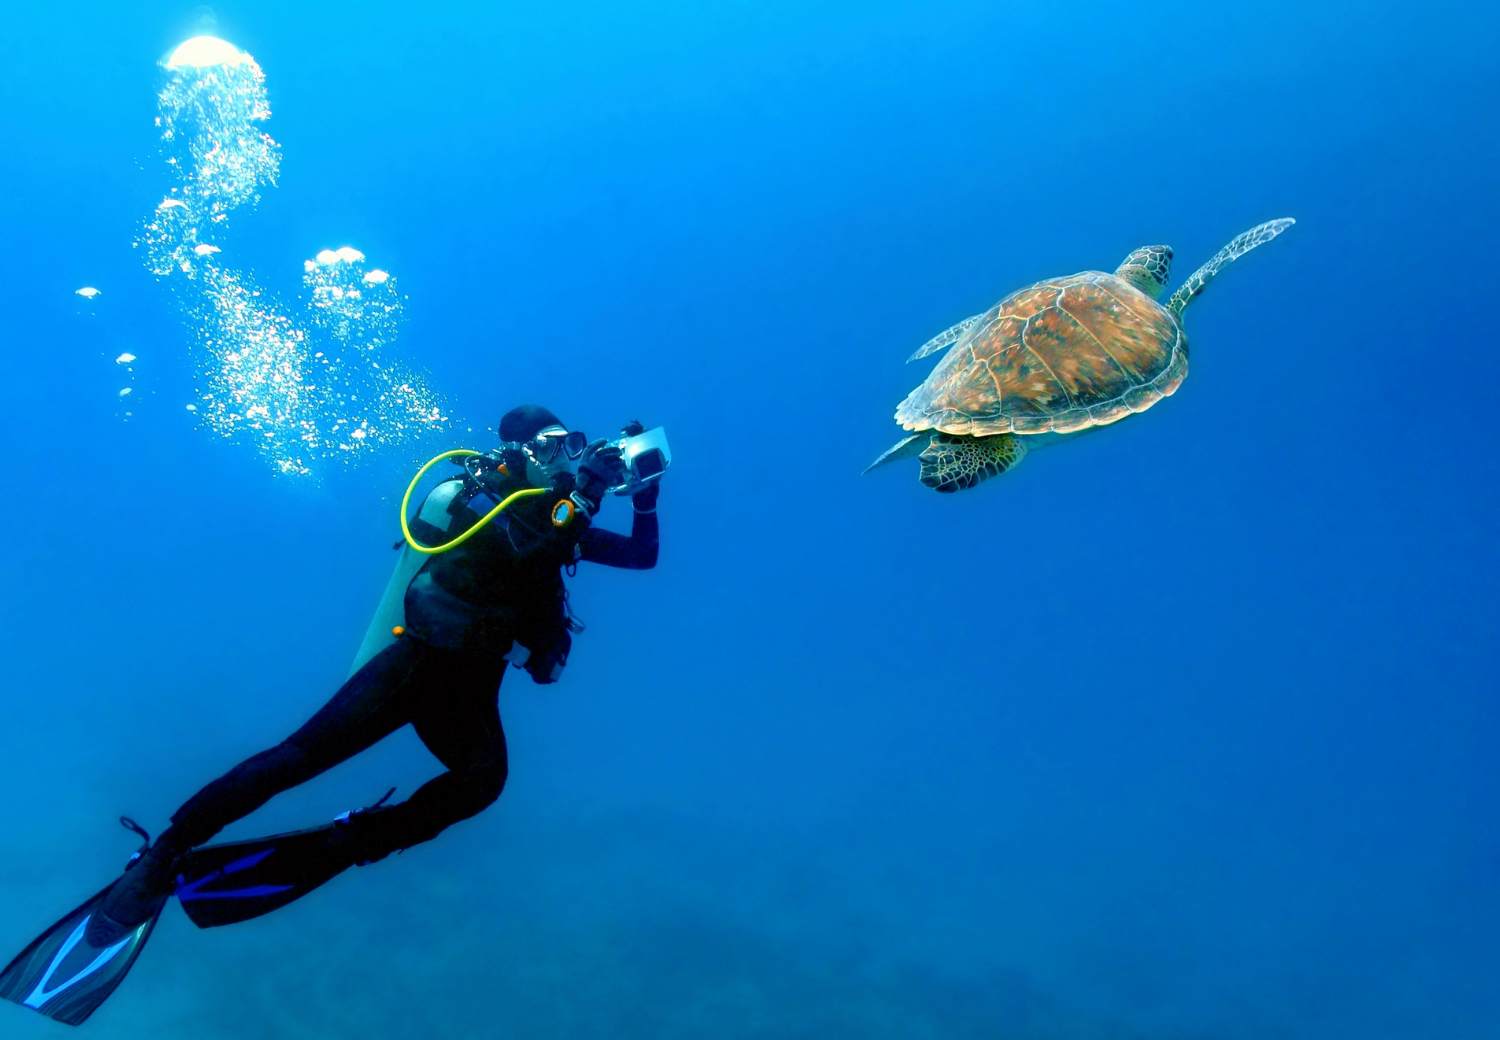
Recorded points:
647,456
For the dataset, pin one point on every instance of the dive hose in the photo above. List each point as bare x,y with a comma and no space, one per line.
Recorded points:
433,550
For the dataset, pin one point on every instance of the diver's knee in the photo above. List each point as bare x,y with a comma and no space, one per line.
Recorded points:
485,783
494,779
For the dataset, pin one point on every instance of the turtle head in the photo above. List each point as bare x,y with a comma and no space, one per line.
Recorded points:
1148,269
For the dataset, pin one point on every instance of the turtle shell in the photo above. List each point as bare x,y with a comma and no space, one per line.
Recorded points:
1061,355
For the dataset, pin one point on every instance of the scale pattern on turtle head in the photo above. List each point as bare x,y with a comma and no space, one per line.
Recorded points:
1148,268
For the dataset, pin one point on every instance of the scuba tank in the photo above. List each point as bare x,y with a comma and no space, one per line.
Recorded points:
389,621
444,521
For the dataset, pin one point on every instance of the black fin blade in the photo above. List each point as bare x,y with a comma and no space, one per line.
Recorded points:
240,880
63,976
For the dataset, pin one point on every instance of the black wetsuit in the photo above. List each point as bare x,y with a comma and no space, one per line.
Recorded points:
443,677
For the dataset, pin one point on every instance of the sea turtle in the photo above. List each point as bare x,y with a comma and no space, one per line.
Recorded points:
1063,355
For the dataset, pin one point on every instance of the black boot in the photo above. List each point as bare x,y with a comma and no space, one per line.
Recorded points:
138,895
361,836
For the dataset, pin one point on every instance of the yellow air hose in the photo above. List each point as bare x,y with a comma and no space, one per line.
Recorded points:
433,550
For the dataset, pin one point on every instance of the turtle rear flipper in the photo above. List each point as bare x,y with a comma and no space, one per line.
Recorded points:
946,338
952,463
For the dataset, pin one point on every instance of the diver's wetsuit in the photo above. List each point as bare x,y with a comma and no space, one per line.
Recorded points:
464,608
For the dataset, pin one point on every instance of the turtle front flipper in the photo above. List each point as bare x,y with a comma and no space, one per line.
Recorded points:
905,448
946,338
1237,247
952,463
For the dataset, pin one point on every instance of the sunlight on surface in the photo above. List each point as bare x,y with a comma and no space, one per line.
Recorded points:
201,52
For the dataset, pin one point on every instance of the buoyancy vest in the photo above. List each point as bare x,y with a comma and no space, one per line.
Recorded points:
501,588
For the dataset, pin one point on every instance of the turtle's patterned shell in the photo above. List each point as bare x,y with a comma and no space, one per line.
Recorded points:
1058,356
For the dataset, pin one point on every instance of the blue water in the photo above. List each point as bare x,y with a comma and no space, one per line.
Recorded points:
1184,730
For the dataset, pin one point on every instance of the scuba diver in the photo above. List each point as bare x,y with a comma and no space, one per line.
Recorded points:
479,588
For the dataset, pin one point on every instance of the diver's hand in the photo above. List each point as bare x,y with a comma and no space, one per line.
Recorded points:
600,469
546,666
643,500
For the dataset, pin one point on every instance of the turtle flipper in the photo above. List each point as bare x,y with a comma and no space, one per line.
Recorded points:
1238,247
952,463
905,448
946,338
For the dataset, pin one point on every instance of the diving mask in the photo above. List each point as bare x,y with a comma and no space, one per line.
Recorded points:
546,446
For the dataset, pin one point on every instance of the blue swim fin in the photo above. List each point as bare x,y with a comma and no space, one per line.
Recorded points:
235,881
64,976
238,880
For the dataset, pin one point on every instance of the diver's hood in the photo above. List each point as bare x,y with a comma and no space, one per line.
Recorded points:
524,422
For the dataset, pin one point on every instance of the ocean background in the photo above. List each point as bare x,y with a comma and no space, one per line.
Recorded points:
1186,730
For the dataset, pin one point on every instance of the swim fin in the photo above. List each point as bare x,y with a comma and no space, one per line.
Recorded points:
64,976
238,880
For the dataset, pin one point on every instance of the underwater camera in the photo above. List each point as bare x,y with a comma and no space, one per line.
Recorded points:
647,456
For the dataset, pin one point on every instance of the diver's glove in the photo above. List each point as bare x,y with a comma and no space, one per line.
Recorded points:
546,662
545,666
600,469
644,500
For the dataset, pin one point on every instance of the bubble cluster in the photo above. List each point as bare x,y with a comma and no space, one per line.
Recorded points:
303,388
126,361
359,309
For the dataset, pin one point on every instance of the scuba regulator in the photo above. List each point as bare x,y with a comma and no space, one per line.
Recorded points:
482,467
646,454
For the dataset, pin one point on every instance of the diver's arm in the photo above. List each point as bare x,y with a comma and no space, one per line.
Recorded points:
638,551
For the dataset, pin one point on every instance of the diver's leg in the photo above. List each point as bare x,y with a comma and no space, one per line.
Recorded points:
368,707
371,705
457,715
